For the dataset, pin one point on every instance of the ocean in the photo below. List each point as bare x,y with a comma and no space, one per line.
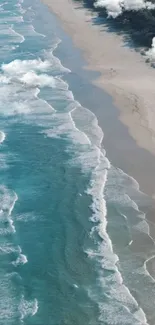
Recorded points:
74,240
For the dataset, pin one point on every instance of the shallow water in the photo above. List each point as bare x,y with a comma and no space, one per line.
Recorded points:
72,237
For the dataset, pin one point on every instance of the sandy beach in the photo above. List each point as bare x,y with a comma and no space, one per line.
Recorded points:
124,73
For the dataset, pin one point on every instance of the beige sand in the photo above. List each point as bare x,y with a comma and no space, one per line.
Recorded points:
124,73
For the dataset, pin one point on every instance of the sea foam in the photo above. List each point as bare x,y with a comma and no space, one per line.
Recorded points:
21,260
2,136
27,308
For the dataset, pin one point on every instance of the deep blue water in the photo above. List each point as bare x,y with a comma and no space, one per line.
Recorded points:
61,201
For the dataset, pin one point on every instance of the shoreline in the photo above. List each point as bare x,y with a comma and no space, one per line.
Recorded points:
121,109
134,95
141,155
121,152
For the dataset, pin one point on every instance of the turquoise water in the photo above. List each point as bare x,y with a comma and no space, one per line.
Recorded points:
71,235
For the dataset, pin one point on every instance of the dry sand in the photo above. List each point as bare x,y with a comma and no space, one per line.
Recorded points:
124,73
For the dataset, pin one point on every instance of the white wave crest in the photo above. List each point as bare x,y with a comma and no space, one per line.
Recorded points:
21,260
26,72
20,67
8,248
28,308
34,80
7,202
2,136
17,37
